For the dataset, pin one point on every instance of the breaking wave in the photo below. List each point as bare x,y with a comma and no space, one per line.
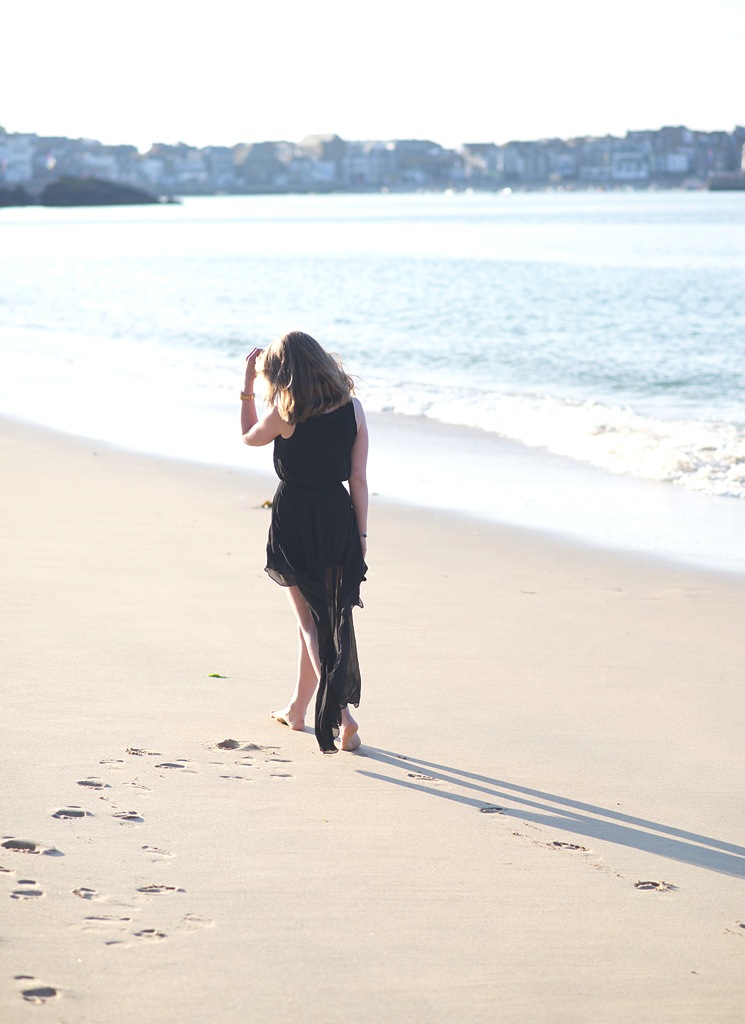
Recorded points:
703,456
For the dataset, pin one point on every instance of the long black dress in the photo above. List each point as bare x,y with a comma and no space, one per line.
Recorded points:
314,545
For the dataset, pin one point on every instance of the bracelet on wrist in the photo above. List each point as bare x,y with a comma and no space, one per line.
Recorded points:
245,397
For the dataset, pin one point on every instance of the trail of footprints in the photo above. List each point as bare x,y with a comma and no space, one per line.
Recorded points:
555,844
119,928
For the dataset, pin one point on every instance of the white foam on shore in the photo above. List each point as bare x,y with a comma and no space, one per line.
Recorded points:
703,456
431,464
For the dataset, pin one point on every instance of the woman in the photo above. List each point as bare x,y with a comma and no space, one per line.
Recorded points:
318,534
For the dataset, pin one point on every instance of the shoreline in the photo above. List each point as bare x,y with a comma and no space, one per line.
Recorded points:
507,483
448,468
544,726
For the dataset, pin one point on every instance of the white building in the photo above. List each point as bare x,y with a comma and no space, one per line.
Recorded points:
100,165
368,164
16,158
678,162
629,163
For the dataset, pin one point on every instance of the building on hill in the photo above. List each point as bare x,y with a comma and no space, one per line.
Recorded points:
16,158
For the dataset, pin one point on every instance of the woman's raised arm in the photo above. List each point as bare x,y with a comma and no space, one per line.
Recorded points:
255,431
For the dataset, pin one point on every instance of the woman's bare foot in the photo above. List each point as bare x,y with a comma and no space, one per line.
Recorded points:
286,717
350,739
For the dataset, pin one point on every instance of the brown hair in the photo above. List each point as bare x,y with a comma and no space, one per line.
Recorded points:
303,379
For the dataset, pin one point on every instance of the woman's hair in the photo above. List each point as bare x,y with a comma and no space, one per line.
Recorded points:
303,379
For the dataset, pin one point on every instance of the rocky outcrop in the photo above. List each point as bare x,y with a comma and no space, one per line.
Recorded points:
727,183
92,192
15,197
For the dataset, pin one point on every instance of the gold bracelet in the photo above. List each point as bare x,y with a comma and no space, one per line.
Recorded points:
245,397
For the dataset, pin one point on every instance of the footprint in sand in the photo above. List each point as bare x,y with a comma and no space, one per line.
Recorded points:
94,783
150,934
40,994
556,845
27,846
129,939
655,886
107,923
131,816
29,892
138,752
36,993
86,894
68,813
181,763
420,775
247,749
21,846
193,923
491,809
157,890
156,851
279,760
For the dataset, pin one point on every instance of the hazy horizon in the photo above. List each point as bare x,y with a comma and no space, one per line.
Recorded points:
164,73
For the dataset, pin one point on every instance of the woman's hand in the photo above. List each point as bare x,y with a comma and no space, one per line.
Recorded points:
251,365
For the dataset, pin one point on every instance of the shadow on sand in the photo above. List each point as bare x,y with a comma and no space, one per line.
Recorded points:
559,812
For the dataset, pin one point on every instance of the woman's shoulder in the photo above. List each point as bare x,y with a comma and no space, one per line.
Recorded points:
343,407
359,413
352,406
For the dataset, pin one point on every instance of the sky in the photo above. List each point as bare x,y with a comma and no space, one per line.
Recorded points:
228,71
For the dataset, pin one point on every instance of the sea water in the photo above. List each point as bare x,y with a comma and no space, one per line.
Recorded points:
569,361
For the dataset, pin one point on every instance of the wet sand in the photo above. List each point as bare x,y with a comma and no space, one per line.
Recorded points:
543,822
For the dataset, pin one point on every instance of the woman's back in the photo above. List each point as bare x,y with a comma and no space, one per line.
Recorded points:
319,452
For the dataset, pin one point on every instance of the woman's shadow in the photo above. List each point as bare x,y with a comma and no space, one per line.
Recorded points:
558,812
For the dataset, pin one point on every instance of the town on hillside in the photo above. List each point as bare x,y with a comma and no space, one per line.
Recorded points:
673,157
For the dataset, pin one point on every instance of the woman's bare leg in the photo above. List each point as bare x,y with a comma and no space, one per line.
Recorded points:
308,665
308,674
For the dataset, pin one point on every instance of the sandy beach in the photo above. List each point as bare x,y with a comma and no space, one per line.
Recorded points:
543,824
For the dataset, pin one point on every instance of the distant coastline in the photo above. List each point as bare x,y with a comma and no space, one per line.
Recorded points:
670,157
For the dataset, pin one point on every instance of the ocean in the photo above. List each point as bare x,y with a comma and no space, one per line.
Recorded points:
572,362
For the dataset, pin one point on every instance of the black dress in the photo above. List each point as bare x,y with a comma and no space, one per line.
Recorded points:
314,545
